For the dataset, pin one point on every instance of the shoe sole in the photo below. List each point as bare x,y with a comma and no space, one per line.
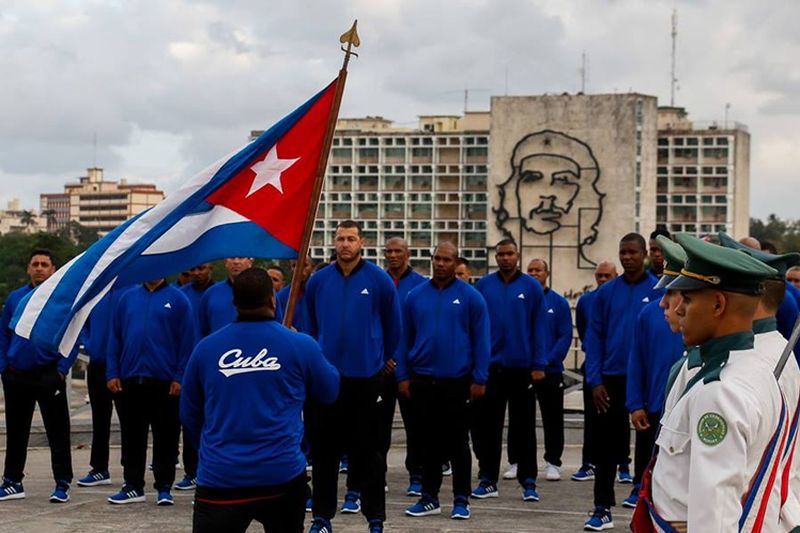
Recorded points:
609,525
350,511
413,493
137,499
54,499
495,494
460,516
94,483
432,512
629,505
530,499
624,481
579,479
509,477
165,503
552,478
176,487
17,496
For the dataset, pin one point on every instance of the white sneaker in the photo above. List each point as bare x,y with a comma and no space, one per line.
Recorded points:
552,472
511,473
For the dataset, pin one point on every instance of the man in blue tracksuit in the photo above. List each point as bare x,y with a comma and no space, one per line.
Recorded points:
95,339
243,390
604,272
442,365
152,335
397,257
194,290
30,376
519,356
354,313
613,318
654,350
299,321
216,305
550,391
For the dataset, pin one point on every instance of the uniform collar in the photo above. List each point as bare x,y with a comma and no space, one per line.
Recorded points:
355,268
765,325
514,277
715,353
449,284
405,273
693,358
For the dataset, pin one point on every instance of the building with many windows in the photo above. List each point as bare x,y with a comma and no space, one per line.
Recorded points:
703,175
100,204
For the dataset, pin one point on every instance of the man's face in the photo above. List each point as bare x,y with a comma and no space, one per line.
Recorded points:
695,312
793,277
656,255
237,265
463,273
547,186
277,278
40,267
308,268
507,258
348,244
631,255
200,274
669,304
444,263
604,273
396,255
537,270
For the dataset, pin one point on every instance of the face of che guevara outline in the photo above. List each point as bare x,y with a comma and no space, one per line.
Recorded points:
551,182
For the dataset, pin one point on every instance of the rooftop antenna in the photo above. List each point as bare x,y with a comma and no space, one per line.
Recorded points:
673,79
584,72
727,110
94,149
466,91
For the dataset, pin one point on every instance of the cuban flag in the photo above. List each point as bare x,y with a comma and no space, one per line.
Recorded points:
252,203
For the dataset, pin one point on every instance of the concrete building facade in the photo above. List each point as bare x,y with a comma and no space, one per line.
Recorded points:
15,219
703,175
104,205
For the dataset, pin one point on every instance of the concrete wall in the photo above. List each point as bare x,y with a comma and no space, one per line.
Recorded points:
563,178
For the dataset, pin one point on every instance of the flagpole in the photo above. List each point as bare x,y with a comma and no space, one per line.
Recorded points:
352,40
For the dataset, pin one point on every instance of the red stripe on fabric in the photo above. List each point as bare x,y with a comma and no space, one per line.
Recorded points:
237,502
762,511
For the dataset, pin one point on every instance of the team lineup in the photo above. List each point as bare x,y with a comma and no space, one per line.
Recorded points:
686,349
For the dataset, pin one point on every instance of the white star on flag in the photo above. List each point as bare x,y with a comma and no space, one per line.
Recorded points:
268,171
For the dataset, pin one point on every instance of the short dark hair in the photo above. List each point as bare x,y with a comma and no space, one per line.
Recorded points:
252,289
278,268
660,231
42,251
767,246
505,242
546,266
634,237
774,293
347,224
462,261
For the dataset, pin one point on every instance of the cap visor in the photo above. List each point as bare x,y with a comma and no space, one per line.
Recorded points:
684,283
663,281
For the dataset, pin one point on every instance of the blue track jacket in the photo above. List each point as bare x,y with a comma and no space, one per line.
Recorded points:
655,349
787,313
517,319
97,329
152,334
404,284
299,321
447,333
583,311
241,401
20,352
195,295
613,318
355,319
559,330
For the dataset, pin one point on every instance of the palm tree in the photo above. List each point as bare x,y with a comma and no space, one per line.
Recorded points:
28,219
50,215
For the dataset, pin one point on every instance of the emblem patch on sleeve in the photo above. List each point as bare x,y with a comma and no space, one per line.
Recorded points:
711,429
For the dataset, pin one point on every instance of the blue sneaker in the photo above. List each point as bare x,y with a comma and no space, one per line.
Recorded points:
127,494
460,508
320,525
94,478
486,489
11,490
584,473
447,470
630,501
426,506
352,502
624,474
414,486
187,483
309,505
529,493
60,493
343,465
165,498
600,520
375,526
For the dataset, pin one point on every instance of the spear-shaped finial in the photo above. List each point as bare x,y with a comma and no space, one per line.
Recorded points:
351,38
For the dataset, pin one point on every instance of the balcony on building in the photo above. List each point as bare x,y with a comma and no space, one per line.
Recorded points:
447,211
715,185
394,210
476,154
684,156
341,156
449,155
368,155
421,183
447,183
367,211
713,213
341,183
368,183
421,238
684,184
475,182
421,211
394,183
421,155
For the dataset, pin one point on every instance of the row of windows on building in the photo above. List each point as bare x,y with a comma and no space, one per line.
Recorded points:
427,140
693,141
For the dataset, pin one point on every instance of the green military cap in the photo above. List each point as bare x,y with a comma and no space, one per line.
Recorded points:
709,266
674,258
781,263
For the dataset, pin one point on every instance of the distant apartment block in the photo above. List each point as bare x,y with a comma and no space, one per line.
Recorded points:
99,204
15,219
703,175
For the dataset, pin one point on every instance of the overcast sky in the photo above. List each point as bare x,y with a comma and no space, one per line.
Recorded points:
170,86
